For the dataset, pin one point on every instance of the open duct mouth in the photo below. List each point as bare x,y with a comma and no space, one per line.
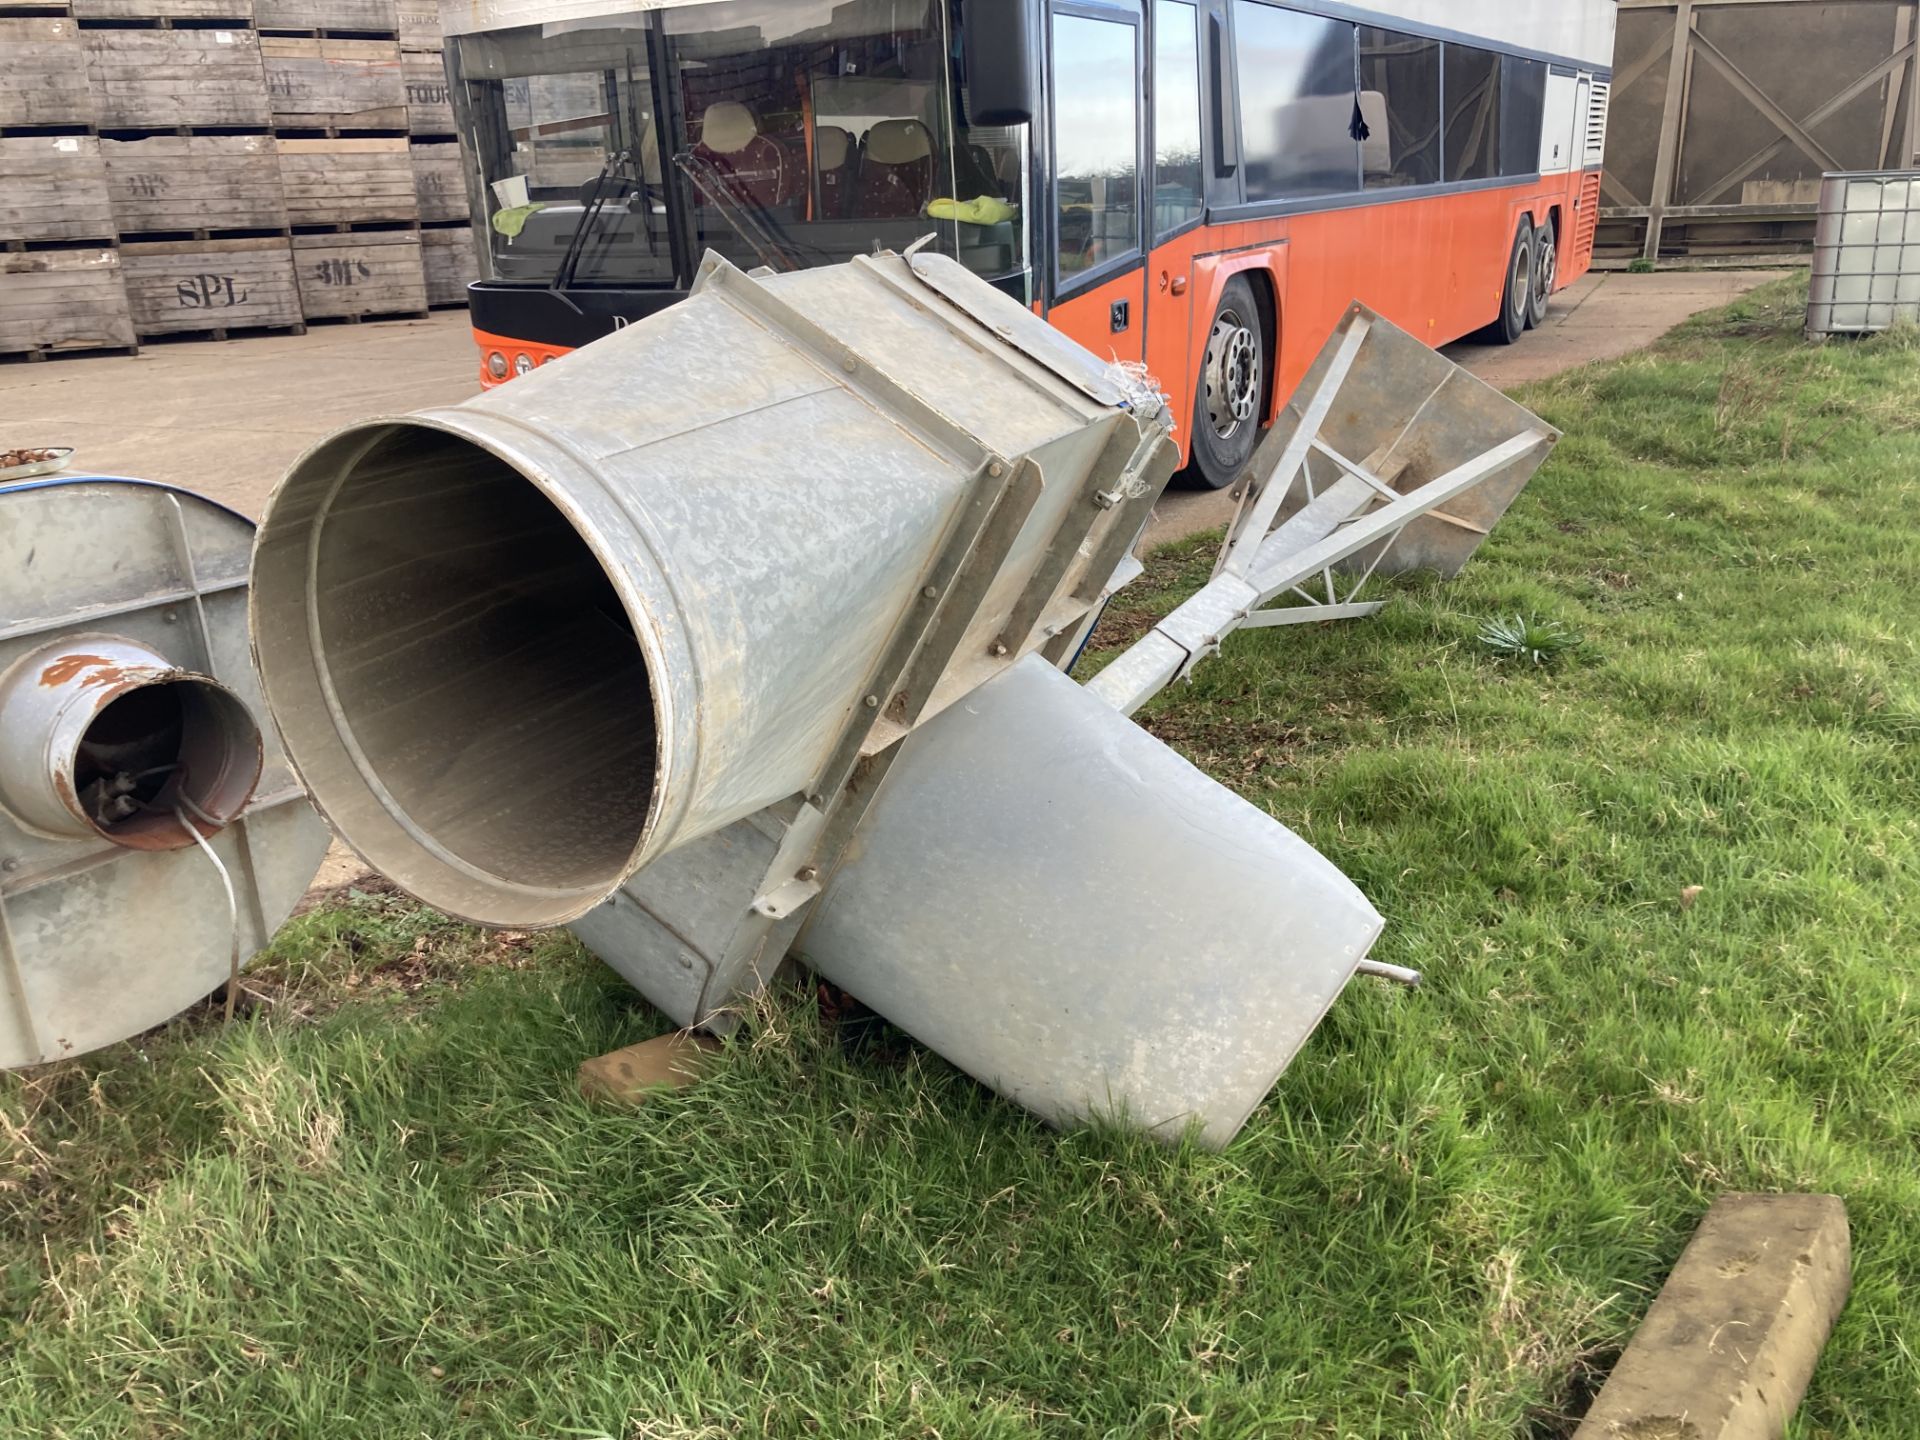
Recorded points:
161,756
455,675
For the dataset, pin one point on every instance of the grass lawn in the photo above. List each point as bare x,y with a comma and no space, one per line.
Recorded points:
377,1209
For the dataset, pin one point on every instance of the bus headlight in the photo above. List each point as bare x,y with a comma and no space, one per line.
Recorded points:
522,363
497,365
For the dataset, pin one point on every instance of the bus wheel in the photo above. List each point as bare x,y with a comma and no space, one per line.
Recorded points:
1226,404
1546,271
1516,299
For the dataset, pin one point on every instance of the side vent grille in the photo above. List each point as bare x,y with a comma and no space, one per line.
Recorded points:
1597,99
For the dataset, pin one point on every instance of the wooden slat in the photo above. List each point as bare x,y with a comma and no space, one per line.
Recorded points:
155,79
351,84
346,275
372,15
347,182
195,182
450,264
62,300
439,182
238,11
53,188
429,112
210,284
419,26
43,73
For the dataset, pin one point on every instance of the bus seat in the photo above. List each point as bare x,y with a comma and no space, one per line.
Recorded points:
833,162
754,165
896,170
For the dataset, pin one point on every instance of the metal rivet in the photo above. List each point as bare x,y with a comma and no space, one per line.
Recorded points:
997,648
928,592
807,872
850,364
10,864
872,702
170,617
996,468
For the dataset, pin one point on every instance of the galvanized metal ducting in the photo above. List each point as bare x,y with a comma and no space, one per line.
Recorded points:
521,646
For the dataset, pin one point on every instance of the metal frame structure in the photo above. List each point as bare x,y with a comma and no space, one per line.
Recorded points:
1677,61
1435,479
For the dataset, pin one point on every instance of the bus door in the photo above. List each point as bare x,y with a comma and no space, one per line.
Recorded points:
1177,187
1098,263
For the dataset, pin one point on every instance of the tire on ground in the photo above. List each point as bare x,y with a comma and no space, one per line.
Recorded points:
1546,269
1232,386
1516,294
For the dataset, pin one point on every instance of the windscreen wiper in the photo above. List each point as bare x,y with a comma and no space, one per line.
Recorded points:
710,181
616,164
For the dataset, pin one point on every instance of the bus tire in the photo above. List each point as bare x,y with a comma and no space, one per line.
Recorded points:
1546,270
1516,296
1232,385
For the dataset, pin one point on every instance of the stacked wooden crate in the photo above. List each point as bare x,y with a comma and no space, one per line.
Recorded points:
172,167
338,89
60,281
439,173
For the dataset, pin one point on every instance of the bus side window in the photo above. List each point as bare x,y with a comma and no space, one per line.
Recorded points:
1176,115
1472,134
1096,124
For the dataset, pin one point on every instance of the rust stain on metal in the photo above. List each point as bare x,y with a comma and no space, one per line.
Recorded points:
68,666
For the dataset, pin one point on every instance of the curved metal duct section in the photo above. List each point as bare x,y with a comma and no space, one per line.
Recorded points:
550,638
130,740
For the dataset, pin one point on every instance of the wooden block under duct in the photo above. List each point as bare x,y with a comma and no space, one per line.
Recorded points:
666,1062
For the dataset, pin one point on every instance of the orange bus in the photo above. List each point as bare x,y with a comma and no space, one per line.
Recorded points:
1199,186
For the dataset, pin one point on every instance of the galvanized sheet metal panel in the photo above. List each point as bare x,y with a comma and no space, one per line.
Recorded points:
1070,912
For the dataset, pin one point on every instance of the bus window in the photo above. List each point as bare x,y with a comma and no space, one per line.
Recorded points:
1296,102
818,129
1523,109
1472,134
549,115
1176,116
1400,101
1096,123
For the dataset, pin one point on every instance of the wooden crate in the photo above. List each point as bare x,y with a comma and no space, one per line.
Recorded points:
53,187
195,182
419,26
375,16
43,73
353,275
238,11
439,181
62,300
160,79
450,264
347,182
429,111
177,285
344,84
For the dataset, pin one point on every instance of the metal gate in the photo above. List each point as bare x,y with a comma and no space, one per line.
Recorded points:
1725,114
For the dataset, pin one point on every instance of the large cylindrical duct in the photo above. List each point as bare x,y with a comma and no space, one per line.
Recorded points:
518,647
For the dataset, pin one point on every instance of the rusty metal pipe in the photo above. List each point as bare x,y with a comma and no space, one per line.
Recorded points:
103,736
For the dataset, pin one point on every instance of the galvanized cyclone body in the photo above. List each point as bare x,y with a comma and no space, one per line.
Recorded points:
749,622
131,731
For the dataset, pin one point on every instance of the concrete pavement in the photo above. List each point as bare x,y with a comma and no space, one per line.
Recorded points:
227,418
